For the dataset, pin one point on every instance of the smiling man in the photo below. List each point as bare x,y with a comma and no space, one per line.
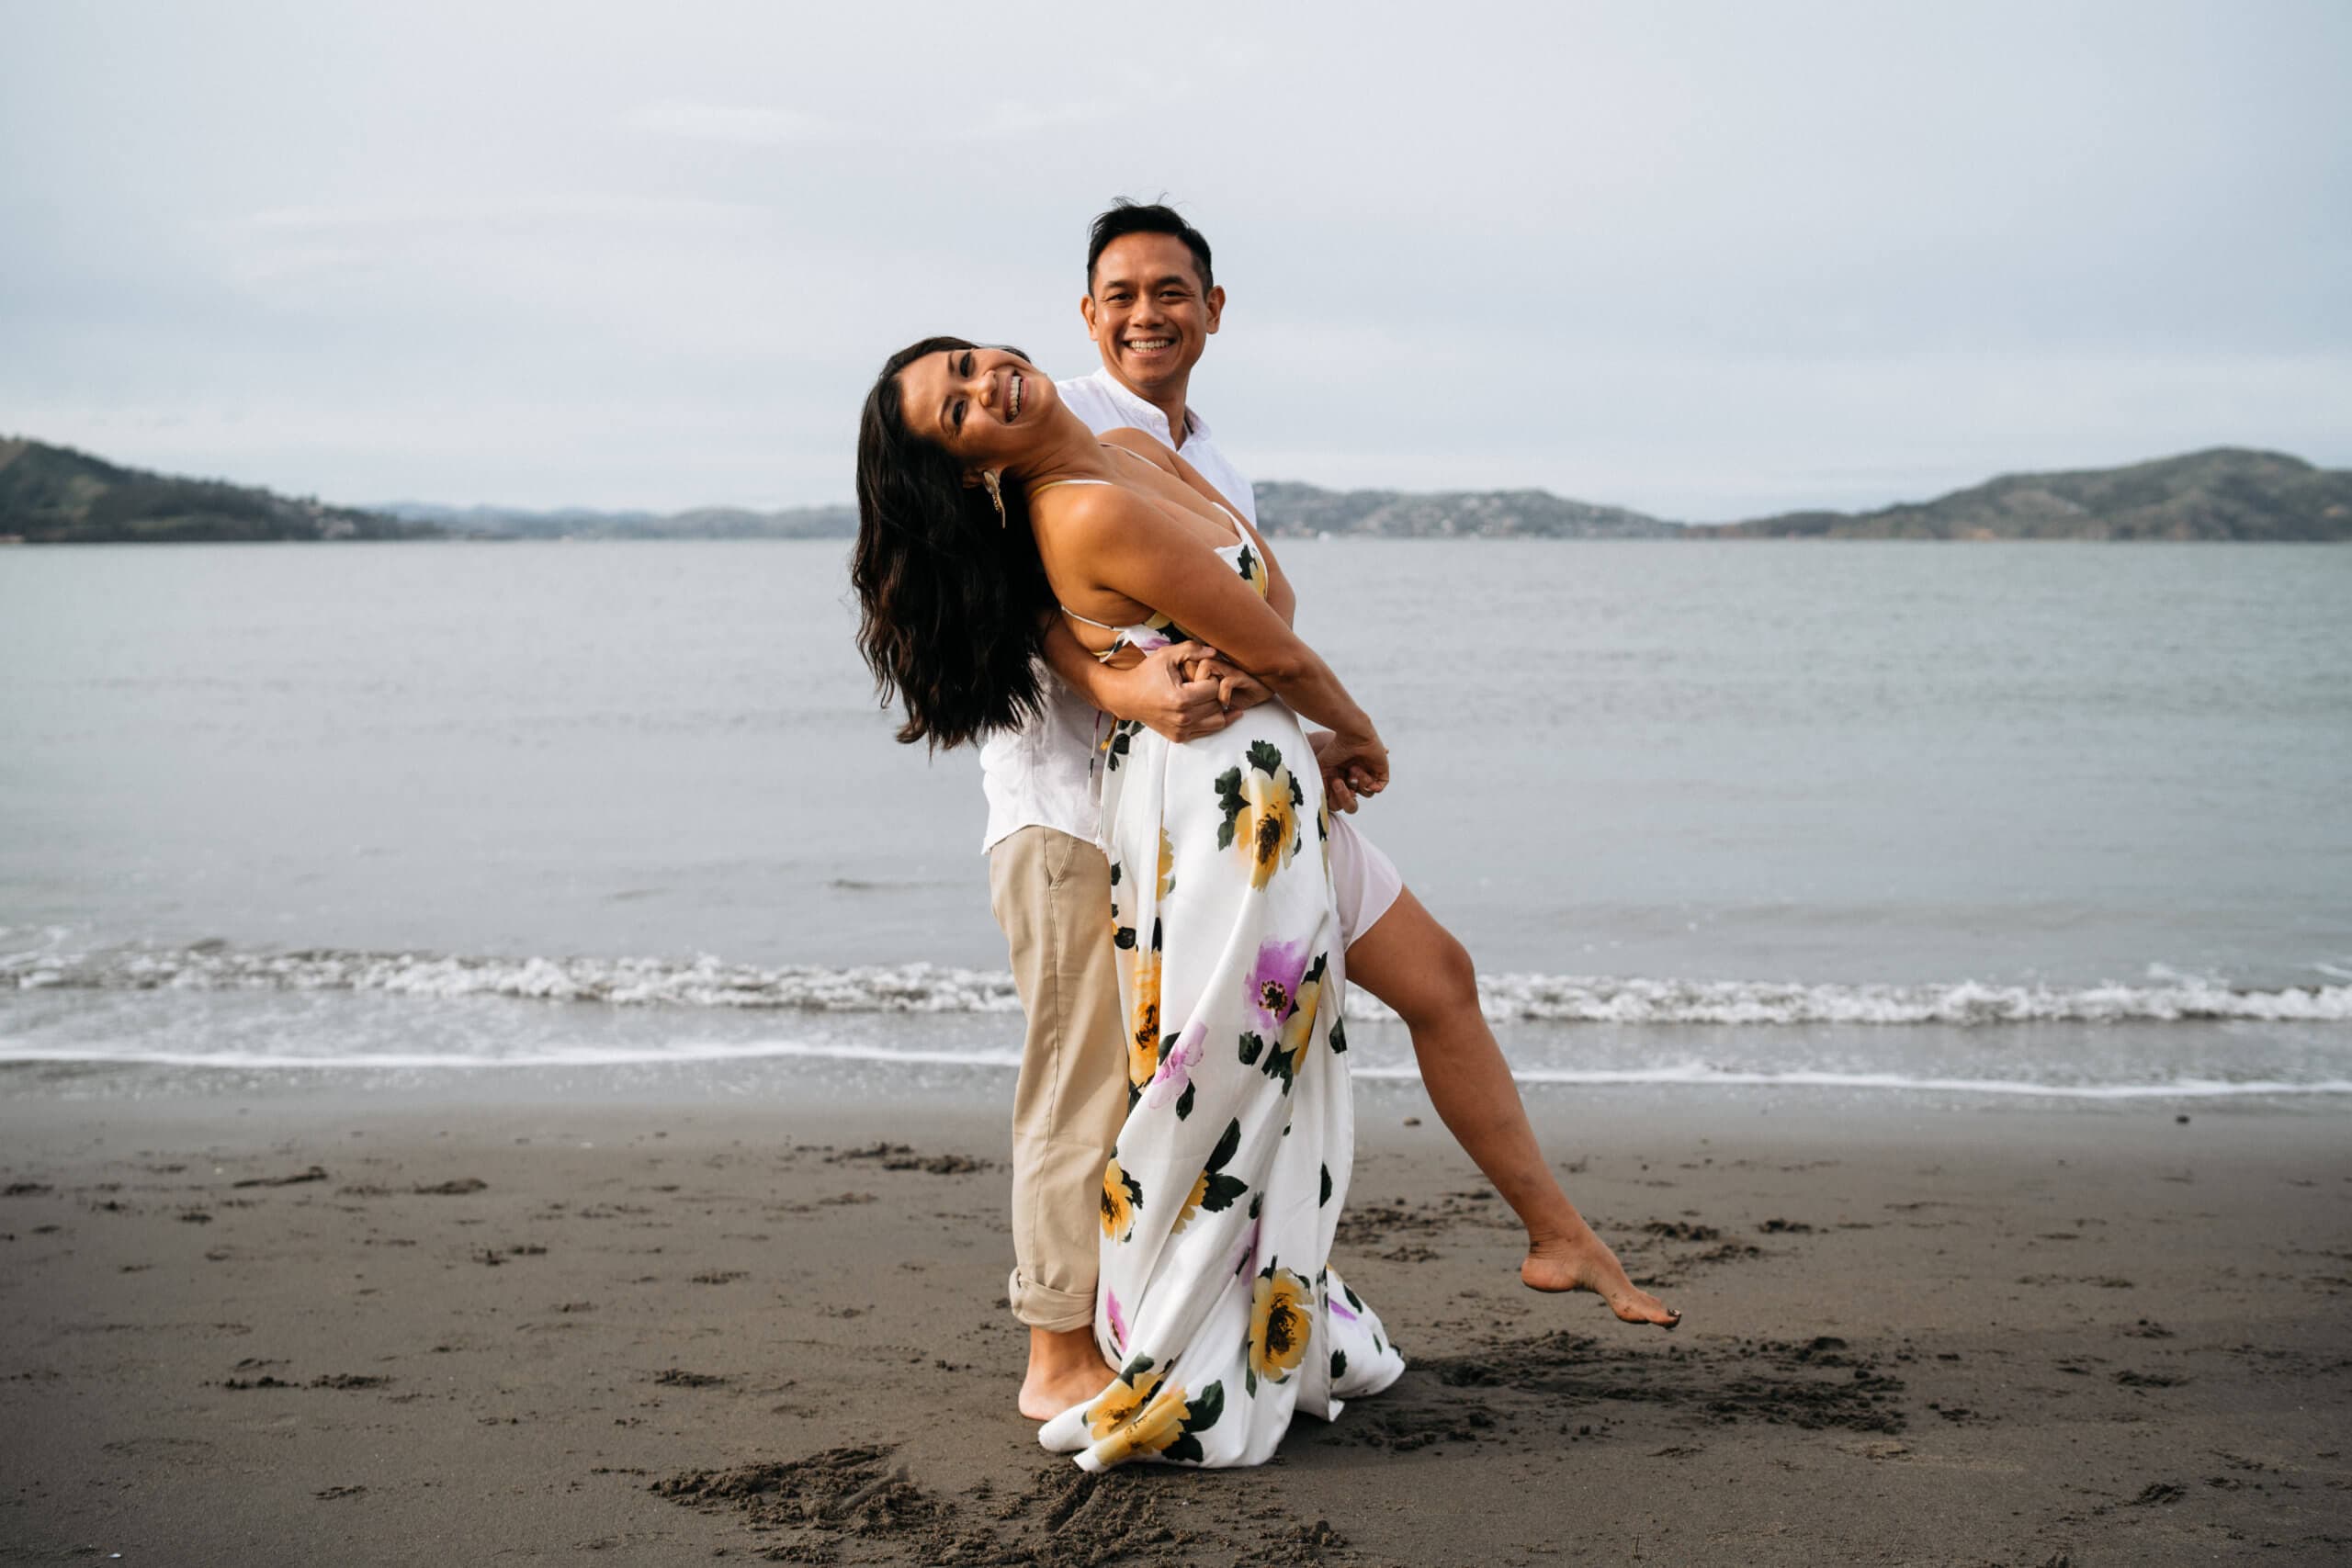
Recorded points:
1152,303
1151,309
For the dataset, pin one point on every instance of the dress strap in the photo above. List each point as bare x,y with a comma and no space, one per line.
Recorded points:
1051,483
1090,620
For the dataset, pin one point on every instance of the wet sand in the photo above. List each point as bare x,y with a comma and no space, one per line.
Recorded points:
320,1329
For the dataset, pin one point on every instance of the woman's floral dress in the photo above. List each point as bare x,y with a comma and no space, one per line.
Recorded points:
1217,1302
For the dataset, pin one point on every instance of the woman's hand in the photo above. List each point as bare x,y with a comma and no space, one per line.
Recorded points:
1353,766
1163,693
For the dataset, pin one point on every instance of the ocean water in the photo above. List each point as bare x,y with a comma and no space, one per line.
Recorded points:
2050,821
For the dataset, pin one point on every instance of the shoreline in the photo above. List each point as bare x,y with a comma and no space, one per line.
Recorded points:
2000,1332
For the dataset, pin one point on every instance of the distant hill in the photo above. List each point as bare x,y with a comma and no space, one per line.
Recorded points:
53,494
1295,510
56,495
2229,492
578,523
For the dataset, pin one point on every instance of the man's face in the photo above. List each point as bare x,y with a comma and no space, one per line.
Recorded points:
1148,314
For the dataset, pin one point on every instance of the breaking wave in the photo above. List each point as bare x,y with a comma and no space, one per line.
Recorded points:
705,982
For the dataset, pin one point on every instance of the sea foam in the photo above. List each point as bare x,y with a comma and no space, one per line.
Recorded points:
709,982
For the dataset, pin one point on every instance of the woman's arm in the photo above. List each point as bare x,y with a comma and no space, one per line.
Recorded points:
1142,444
1111,540
1156,691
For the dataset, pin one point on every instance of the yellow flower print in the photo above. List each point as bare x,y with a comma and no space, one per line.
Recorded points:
1252,570
1280,1325
1214,1190
1120,1193
1143,1020
1272,831
1151,1431
1261,801
1120,1402
1191,1204
1299,1030
1167,864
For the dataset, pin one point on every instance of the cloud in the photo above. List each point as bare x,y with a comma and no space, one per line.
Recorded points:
742,125
524,208
755,125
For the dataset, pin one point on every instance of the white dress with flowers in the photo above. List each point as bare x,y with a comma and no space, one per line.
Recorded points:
1217,1302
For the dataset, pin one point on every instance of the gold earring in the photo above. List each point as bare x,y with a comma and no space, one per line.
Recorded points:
995,488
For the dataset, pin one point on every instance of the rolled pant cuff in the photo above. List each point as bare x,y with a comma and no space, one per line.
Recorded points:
1041,1306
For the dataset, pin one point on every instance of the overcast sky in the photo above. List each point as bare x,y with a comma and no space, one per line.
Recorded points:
1702,259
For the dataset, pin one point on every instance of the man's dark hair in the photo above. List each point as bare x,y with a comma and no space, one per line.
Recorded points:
1125,217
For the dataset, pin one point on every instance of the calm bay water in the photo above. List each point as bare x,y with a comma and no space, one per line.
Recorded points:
1856,809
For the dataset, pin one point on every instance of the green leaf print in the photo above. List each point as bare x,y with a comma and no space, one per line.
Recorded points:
1263,757
1227,1145
1200,1413
1124,937
1222,1190
1327,1188
1338,1365
1251,1046
1184,1102
1229,801
1339,1035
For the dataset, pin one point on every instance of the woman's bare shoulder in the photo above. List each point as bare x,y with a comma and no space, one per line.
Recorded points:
1073,514
1142,444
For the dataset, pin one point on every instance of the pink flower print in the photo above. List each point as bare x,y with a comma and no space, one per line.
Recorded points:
1145,639
1273,986
1118,1321
1175,1075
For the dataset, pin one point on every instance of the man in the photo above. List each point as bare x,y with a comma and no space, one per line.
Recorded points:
1151,305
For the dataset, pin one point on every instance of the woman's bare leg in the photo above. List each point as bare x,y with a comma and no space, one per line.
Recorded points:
1417,966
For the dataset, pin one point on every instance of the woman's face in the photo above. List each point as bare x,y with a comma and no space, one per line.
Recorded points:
984,405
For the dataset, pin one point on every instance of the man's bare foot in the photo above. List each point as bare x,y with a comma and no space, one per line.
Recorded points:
1585,1263
1065,1368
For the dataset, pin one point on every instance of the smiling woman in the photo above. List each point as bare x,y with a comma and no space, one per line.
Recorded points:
1219,1316
952,594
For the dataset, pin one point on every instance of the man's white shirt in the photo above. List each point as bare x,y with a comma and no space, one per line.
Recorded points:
1042,774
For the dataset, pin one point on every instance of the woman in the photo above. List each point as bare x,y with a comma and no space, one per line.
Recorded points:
987,509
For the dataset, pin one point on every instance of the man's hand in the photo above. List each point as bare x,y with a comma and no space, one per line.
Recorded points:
1348,779
1236,687
1161,693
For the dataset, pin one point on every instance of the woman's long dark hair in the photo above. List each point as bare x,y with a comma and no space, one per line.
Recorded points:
953,599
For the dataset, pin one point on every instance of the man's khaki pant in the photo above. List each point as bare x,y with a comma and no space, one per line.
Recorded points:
1052,894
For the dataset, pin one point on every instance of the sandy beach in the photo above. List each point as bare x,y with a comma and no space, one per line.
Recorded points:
307,1327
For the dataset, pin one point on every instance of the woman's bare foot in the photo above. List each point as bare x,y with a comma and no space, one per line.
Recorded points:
1065,1368
1583,1262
